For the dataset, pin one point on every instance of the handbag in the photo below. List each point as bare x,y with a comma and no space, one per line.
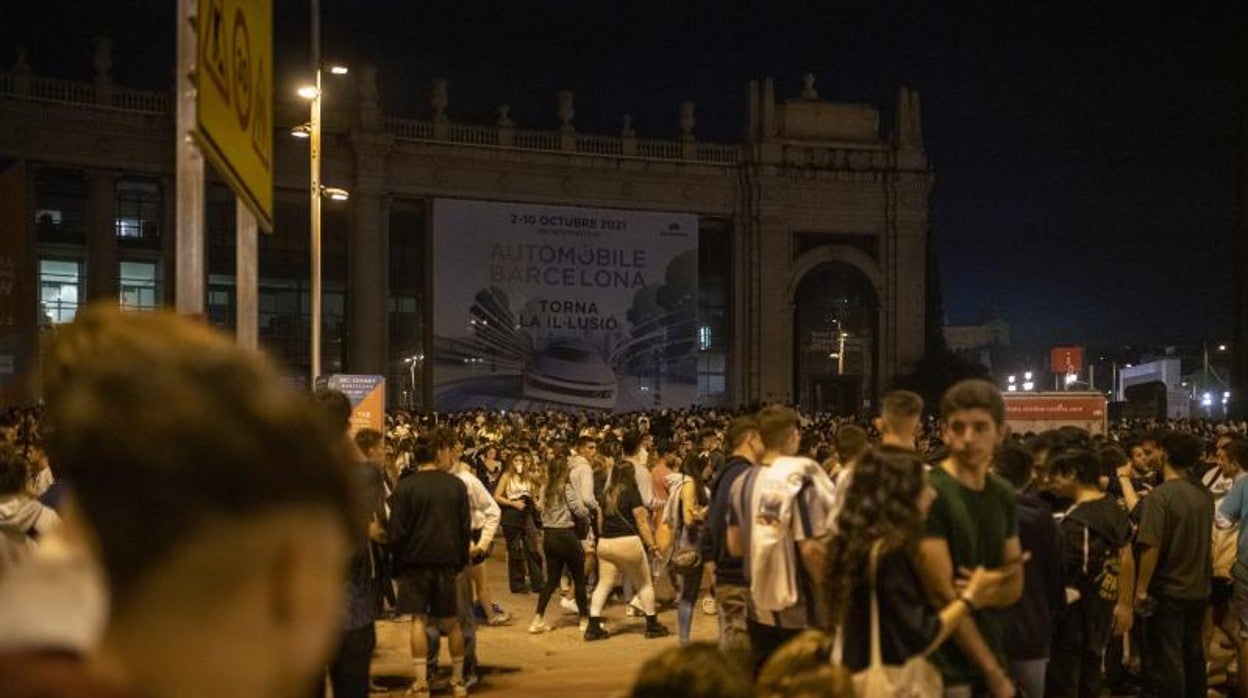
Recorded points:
916,678
687,557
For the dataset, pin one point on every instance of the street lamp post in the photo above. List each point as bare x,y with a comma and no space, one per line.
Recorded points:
316,190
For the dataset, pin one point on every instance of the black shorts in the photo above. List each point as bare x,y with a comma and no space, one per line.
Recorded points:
428,591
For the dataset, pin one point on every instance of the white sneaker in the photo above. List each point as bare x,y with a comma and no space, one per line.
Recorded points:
568,605
538,625
458,688
418,689
708,606
582,625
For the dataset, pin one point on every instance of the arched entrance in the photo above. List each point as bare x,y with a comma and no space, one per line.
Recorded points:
836,338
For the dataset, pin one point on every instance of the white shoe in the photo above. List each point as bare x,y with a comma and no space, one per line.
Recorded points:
418,689
708,606
582,625
568,605
634,609
458,688
538,625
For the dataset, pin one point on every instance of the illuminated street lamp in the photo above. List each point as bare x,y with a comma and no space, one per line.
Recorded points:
316,191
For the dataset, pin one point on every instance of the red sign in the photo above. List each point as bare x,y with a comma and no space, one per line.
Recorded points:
1066,359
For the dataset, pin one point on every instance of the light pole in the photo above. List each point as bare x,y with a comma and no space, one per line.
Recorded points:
312,132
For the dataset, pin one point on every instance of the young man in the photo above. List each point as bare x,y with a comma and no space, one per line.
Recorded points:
1029,623
190,460
349,667
1096,539
430,537
778,509
972,524
1232,514
1176,567
581,477
898,423
727,574
485,521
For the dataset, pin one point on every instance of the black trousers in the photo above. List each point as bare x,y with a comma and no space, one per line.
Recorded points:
563,554
1078,648
522,555
348,670
765,639
1174,649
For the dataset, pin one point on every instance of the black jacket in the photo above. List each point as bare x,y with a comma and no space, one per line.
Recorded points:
1029,623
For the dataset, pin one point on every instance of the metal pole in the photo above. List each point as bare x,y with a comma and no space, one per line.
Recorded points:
315,193
246,315
189,247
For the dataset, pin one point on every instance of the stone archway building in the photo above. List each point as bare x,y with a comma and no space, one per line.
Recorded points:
812,182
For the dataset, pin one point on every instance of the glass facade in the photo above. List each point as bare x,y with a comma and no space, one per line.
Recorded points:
60,290
138,212
60,205
139,285
714,274
406,371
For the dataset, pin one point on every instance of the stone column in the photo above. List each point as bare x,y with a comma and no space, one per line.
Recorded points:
775,316
368,254
168,240
369,292
101,236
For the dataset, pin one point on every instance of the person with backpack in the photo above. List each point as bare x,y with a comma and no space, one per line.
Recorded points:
1096,555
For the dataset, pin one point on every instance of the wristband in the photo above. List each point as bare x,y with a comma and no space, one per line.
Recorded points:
970,603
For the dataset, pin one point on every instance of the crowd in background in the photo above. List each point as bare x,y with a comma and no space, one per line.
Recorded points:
927,548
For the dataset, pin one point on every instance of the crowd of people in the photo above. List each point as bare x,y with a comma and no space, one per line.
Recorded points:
174,496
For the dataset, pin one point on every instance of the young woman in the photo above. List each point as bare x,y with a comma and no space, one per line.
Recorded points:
625,544
691,512
887,500
560,506
517,495
493,467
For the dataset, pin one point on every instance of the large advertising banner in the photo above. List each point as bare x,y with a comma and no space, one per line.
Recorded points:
552,306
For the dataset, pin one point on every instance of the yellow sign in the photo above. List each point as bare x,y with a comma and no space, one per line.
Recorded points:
234,109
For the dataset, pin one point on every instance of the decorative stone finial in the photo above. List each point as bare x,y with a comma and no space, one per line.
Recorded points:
370,104
438,99
103,58
627,130
565,111
20,65
504,116
686,119
808,87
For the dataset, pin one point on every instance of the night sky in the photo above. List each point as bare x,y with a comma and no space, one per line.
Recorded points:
1082,151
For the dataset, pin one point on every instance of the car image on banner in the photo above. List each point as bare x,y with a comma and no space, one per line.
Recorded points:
541,307
565,372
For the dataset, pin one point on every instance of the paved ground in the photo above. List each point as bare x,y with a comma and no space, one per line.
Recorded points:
558,662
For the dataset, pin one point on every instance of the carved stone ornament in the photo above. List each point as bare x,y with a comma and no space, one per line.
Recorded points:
808,87
438,99
565,111
687,121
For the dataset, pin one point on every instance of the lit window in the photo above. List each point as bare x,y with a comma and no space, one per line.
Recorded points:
139,210
60,287
139,285
704,337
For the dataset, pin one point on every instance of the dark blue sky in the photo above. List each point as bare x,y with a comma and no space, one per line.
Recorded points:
1082,151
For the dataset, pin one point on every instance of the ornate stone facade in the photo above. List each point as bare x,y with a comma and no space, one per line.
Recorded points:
813,184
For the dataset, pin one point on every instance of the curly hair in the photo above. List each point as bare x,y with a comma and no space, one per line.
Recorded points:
880,502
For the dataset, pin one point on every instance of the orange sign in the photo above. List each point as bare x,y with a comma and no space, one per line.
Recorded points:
1066,359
